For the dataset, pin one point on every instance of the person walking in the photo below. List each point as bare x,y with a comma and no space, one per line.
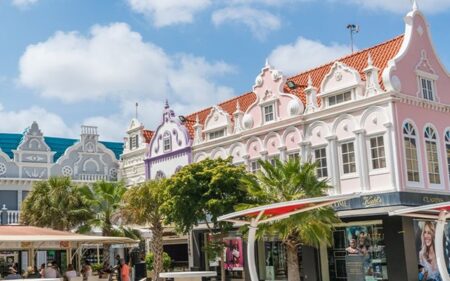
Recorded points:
124,271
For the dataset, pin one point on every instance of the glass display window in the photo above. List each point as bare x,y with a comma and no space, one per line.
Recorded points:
358,253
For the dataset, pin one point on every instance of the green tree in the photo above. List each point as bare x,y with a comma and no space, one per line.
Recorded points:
142,205
200,193
286,181
56,203
103,200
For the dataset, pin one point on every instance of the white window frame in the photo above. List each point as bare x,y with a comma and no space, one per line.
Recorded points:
418,152
313,155
341,163
343,93
447,152
265,114
167,137
372,170
438,154
273,103
214,132
271,158
432,78
250,166
293,153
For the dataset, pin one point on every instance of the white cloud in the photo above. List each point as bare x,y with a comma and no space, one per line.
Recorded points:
169,12
113,63
260,22
23,3
403,6
305,54
51,124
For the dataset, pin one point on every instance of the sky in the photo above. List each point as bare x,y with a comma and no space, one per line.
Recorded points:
67,63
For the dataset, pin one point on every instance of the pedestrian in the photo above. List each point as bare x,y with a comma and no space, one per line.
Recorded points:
12,274
118,268
70,273
124,271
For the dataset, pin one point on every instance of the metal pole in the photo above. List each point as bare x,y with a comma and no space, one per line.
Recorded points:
439,246
251,252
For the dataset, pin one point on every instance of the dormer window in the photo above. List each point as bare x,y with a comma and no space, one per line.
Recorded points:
167,143
427,86
216,134
268,113
339,98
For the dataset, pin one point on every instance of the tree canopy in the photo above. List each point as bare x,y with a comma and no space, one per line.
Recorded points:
56,203
201,192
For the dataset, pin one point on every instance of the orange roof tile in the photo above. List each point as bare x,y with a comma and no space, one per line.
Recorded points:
380,54
148,135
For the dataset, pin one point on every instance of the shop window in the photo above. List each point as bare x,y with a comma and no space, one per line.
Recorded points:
447,148
358,253
432,156
411,155
320,157
348,158
377,154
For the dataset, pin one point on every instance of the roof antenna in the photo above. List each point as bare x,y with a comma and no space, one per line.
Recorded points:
137,110
353,28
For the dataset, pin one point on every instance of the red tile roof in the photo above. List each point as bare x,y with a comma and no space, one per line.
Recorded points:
148,135
381,54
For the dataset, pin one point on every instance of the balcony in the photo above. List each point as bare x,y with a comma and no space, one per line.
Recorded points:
11,217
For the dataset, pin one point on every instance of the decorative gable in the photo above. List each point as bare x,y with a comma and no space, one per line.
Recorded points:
217,120
271,104
340,78
33,139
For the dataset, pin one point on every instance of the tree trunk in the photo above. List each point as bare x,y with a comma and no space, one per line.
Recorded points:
292,263
156,247
223,259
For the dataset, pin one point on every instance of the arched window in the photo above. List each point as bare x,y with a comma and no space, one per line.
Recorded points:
447,149
167,142
160,175
432,155
410,144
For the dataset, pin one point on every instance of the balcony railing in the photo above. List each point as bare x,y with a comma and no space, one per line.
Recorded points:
12,217
93,177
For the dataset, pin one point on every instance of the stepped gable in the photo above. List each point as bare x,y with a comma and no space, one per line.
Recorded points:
148,135
380,53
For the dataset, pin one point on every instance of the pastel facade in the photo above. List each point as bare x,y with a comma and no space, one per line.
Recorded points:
30,157
376,121
170,147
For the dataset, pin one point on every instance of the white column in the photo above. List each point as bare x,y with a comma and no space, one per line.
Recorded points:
389,146
251,252
440,256
305,147
263,155
334,164
283,156
246,158
19,198
362,159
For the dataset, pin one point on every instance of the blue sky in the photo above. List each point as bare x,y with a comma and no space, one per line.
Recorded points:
65,63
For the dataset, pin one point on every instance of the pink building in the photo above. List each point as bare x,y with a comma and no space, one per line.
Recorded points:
377,122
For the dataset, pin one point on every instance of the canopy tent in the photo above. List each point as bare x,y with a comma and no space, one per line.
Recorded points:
31,238
440,213
273,212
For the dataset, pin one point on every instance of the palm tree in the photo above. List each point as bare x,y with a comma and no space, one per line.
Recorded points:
286,181
103,199
142,205
56,203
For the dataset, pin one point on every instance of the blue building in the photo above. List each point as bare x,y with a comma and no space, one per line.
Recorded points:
31,156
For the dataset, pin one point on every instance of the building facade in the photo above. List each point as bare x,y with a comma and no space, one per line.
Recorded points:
376,121
31,156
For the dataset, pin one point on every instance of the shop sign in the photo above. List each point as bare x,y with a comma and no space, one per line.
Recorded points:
372,201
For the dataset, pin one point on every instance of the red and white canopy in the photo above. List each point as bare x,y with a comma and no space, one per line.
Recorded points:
282,210
431,211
